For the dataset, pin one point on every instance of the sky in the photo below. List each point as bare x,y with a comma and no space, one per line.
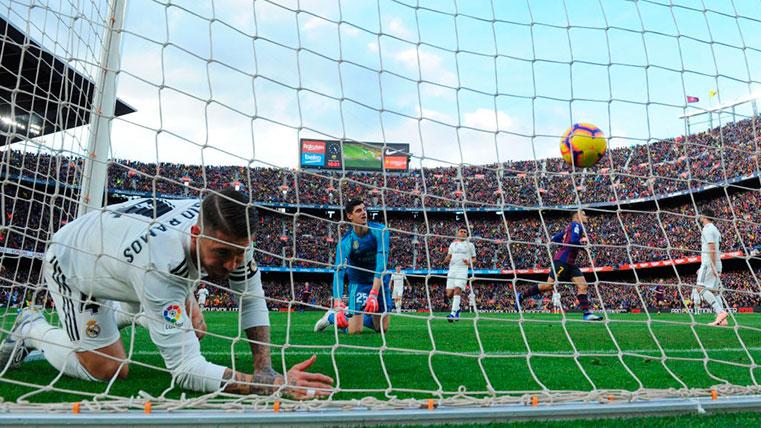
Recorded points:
474,82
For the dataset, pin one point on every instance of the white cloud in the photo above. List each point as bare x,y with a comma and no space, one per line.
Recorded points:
396,27
430,65
372,47
314,23
350,30
436,115
486,119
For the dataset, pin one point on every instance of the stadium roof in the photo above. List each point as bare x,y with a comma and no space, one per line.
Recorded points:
722,107
50,96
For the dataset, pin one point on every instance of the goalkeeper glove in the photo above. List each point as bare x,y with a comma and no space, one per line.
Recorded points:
371,305
339,316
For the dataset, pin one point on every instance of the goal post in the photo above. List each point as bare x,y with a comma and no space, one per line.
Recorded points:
440,118
95,167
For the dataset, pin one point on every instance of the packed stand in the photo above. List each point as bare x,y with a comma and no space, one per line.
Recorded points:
640,171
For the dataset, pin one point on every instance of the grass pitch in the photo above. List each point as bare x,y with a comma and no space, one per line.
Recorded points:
665,353
362,157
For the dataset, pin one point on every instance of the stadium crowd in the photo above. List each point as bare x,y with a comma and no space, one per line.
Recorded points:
615,237
516,240
657,168
652,292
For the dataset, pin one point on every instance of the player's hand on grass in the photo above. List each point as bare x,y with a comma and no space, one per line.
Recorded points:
371,305
303,385
196,316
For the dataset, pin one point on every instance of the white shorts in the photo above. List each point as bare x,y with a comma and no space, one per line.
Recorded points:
397,292
556,303
89,323
202,301
707,278
457,280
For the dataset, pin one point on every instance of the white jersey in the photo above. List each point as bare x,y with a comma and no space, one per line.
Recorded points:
710,234
203,294
139,252
460,251
397,280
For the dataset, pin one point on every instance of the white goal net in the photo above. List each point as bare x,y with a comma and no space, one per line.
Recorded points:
438,116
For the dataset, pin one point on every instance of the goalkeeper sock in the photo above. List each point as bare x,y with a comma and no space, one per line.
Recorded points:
583,302
715,303
532,291
455,304
399,309
57,348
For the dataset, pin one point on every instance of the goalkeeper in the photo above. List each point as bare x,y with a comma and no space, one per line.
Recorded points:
147,254
362,254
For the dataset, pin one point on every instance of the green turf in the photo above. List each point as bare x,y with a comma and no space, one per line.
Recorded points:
361,157
411,366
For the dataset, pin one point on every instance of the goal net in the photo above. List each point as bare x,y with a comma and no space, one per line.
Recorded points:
438,116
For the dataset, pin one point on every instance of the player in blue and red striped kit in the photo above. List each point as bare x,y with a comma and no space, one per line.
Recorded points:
564,266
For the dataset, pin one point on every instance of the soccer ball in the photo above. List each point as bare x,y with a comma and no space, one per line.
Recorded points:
583,145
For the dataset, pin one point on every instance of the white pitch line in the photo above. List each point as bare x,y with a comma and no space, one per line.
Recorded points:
498,353
37,355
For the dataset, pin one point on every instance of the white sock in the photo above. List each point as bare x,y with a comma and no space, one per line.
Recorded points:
715,303
57,348
456,303
399,308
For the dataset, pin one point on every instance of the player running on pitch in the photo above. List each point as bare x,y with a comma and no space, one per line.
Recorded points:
564,266
710,267
203,295
362,254
557,305
146,255
398,279
461,257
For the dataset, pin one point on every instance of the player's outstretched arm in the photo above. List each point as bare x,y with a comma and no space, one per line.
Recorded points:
254,319
196,316
301,384
342,253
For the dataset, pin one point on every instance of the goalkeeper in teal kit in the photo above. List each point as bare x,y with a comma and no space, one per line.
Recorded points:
362,255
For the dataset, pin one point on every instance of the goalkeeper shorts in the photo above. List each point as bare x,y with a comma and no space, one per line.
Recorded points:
358,296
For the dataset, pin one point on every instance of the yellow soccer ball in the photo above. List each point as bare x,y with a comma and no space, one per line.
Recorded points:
583,145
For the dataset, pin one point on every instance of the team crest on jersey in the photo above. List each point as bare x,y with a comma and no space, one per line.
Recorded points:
173,315
355,245
92,329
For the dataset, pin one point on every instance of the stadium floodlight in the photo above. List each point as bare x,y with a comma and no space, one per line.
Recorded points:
420,111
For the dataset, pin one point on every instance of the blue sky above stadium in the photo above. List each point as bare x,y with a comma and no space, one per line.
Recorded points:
468,81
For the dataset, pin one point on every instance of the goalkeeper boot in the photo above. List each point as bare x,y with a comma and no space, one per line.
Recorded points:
589,316
323,322
12,349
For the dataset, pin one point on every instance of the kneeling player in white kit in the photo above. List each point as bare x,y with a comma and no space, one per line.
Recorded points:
398,279
203,294
147,254
710,267
461,257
